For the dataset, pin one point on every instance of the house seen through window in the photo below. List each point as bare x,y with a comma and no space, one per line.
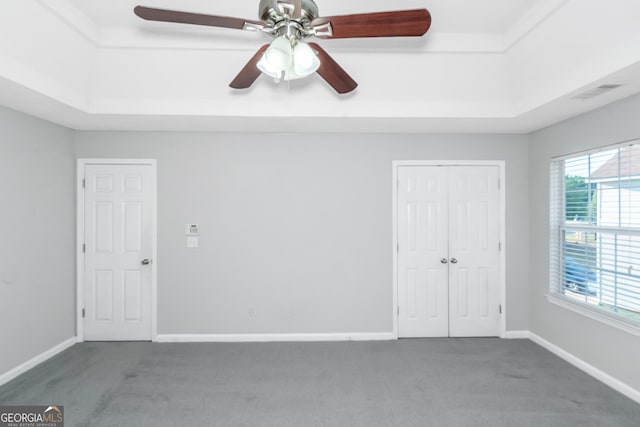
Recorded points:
595,230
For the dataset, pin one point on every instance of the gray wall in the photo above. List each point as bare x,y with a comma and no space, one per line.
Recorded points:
37,237
609,349
296,232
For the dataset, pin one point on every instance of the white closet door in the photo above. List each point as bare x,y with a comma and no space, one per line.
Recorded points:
118,233
422,239
474,251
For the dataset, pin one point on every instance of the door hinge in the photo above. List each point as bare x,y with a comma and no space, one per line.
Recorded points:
398,247
500,309
398,311
84,183
499,246
83,313
84,248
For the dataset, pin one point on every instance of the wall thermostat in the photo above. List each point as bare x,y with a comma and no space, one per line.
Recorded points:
192,229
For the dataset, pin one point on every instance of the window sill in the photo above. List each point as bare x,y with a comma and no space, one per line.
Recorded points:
594,313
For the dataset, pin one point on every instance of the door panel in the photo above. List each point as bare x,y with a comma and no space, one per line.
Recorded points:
422,239
474,243
118,234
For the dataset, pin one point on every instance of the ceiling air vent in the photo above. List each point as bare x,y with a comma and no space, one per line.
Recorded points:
597,91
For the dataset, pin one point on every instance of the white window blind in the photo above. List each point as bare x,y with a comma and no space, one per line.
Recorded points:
595,230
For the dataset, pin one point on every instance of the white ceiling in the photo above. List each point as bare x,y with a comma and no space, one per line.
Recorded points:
485,66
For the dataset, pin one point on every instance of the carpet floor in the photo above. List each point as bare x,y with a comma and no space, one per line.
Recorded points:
428,382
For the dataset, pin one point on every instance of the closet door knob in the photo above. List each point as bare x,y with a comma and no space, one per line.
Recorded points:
444,260
454,261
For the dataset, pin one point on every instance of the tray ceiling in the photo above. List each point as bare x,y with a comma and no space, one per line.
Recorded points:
485,66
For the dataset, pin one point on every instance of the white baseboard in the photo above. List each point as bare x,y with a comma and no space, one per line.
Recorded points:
607,379
515,335
35,361
381,336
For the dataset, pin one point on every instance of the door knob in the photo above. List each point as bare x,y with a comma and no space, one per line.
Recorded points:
145,262
454,261
444,260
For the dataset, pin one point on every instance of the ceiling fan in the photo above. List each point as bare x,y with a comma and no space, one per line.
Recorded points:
291,23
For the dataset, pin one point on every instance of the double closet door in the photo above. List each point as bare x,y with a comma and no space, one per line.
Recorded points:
448,251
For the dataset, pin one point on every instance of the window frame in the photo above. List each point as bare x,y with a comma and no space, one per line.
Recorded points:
557,228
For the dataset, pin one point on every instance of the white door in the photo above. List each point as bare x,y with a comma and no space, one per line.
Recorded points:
118,248
448,251
423,295
474,254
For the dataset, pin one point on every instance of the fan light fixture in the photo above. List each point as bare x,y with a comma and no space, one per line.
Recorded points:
288,59
291,22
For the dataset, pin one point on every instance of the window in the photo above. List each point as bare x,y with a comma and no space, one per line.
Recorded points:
595,231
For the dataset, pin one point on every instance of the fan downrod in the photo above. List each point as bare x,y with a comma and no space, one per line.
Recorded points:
271,11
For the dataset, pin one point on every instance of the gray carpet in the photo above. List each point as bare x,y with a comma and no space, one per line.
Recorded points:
434,382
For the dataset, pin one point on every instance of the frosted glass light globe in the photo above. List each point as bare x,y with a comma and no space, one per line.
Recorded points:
305,60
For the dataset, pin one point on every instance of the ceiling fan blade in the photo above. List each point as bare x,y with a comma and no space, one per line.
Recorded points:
296,7
250,72
333,73
402,23
163,15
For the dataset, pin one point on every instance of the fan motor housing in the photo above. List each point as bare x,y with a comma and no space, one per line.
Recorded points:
270,11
